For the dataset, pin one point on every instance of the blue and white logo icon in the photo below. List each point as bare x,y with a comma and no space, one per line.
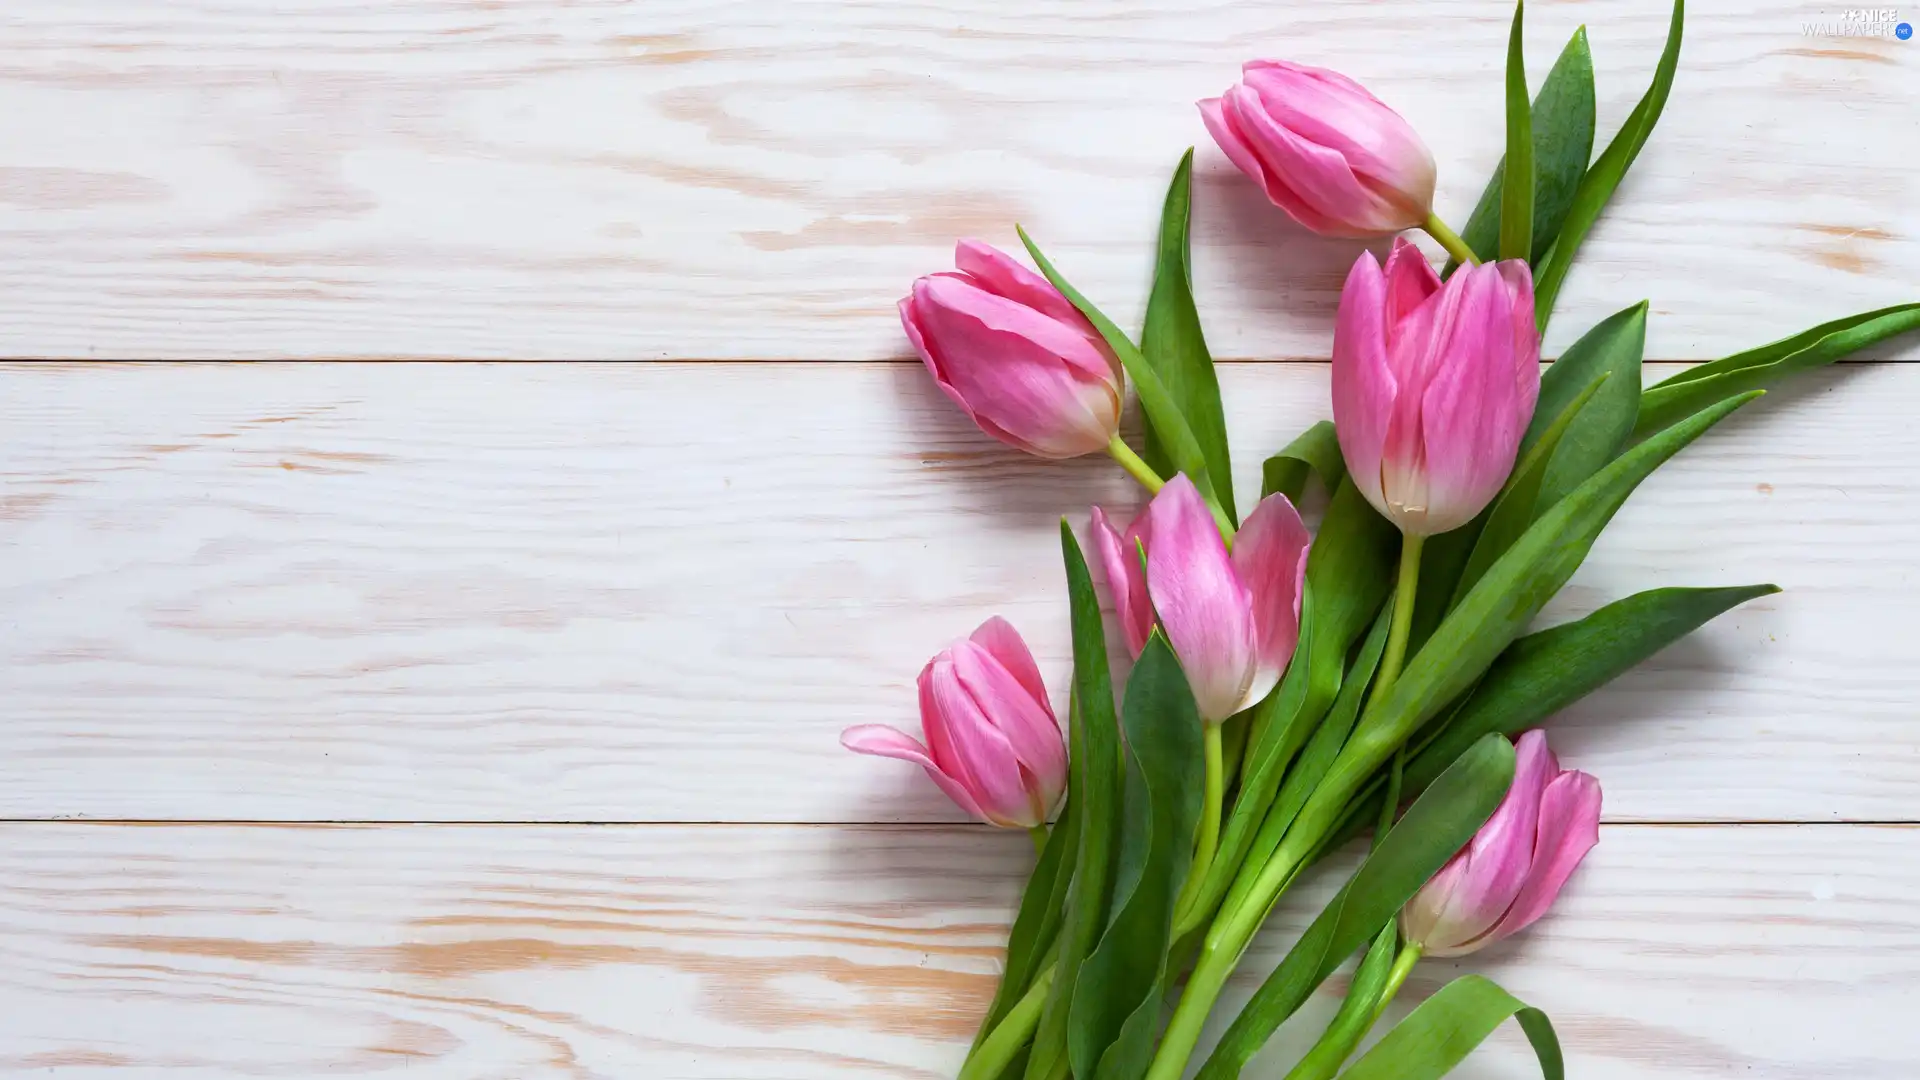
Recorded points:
1903,31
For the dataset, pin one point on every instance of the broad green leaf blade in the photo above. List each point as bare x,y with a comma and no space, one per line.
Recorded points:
1760,368
1446,1027
1037,926
1516,200
1162,409
1356,1015
1317,451
1174,347
1442,561
1597,187
1542,673
1116,1000
1514,510
1093,775
1438,824
1349,571
1613,348
1493,614
1321,752
1562,117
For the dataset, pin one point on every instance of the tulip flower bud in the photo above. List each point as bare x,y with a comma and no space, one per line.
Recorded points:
1433,385
1516,864
1015,355
1331,155
993,744
1233,620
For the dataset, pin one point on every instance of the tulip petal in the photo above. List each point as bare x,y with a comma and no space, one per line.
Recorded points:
1205,609
1006,362
967,746
1226,134
1126,582
1411,280
1501,855
1027,724
1421,917
999,273
910,322
1569,828
1364,386
1001,641
878,740
1270,555
1332,110
1312,183
1479,403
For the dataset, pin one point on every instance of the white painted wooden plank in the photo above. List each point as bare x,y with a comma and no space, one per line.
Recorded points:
657,592
756,179
701,953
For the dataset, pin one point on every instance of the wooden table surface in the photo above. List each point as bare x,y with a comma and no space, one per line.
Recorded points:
395,702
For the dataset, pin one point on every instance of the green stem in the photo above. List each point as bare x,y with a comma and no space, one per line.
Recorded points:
1404,596
1450,240
999,1048
1208,843
1136,468
1402,964
1039,834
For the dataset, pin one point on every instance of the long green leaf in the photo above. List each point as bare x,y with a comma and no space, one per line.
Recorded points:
1563,118
1321,752
1437,825
1356,1015
1516,200
1116,1001
1349,571
1162,408
1597,187
1446,1027
1037,926
1612,348
1316,451
1542,673
1757,369
1175,348
1094,763
1513,512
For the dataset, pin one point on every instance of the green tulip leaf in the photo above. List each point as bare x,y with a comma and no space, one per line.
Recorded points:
1563,118
1356,1015
1759,368
1037,925
1315,451
1176,350
1446,1027
1601,430
1093,777
1438,824
1542,673
1349,571
1170,426
1598,185
1116,1000
1516,199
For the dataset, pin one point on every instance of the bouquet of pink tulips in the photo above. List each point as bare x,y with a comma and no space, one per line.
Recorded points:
1289,691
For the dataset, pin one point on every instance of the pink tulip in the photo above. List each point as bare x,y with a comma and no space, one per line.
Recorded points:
1433,385
1514,867
993,744
1331,155
1015,355
1233,620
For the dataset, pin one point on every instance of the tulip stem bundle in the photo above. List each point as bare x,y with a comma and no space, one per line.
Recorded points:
1289,691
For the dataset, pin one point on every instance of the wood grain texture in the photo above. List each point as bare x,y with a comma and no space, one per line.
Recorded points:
797,953
657,592
749,179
